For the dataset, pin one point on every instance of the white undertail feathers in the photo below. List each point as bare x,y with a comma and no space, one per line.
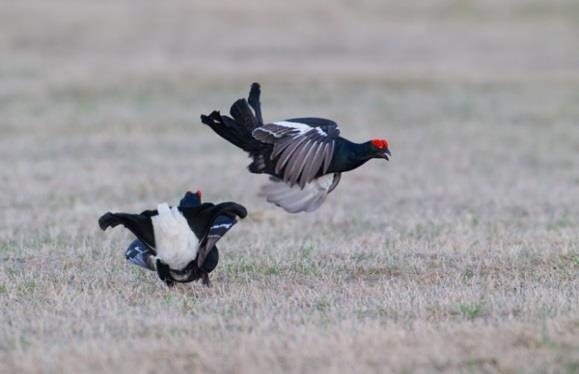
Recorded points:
176,243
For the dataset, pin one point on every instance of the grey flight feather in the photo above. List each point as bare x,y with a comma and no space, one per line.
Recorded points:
295,199
296,163
287,154
280,146
301,153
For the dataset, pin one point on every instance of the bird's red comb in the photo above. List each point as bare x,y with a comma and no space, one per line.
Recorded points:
198,193
380,143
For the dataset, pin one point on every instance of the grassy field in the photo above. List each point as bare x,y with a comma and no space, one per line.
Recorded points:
461,254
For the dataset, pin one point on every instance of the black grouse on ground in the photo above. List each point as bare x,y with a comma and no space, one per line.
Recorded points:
177,242
304,156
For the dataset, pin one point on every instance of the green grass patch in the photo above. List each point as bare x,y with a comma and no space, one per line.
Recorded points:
471,311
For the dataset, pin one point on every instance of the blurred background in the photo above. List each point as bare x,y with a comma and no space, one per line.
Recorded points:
99,110
100,97
100,101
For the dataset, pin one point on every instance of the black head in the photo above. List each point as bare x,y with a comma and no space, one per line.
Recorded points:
190,200
379,148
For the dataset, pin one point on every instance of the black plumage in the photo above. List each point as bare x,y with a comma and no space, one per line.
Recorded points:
304,156
206,222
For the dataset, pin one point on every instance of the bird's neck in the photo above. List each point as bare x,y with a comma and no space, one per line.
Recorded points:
350,155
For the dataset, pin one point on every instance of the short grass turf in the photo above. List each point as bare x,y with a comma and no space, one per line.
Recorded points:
461,254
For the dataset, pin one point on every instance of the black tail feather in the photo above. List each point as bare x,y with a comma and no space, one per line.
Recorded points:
253,100
230,130
238,128
243,115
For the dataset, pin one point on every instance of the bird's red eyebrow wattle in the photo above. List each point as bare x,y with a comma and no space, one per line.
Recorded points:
380,143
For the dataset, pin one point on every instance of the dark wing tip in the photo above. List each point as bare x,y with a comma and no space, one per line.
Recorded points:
242,212
234,209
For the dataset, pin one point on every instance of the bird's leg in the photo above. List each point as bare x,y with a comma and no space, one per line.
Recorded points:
163,273
205,279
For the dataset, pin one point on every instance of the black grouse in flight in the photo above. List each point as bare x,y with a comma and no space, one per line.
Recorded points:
304,156
177,242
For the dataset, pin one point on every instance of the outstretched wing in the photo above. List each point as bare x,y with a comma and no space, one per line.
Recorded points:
222,217
302,146
295,199
220,226
138,224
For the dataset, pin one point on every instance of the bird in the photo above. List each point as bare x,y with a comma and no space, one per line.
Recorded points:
304,157
177,242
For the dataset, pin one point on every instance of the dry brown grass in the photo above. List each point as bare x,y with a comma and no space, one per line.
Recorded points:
462,254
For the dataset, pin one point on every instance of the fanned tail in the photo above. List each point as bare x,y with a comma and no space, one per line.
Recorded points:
238,128
228,129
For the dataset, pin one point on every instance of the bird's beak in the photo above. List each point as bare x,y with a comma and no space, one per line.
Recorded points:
386,155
